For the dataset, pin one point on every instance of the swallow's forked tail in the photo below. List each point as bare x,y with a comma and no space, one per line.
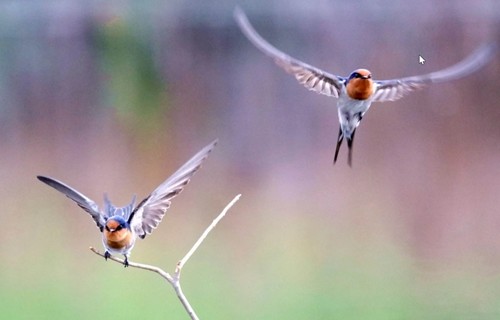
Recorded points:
349,145
339,143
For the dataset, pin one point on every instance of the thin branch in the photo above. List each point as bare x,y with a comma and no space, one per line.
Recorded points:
148,267
175,280
188,255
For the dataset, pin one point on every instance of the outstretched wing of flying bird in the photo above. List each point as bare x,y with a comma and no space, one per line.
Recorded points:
84,202
390,90
312,78
149,213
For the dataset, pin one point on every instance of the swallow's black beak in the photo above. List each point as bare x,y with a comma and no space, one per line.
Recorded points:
366,77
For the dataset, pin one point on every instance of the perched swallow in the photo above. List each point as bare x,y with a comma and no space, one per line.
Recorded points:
120,227
357,92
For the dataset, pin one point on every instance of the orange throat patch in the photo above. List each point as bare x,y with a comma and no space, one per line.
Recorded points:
359,89
118,239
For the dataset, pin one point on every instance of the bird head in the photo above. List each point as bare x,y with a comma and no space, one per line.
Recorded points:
360,74
360,86
115,224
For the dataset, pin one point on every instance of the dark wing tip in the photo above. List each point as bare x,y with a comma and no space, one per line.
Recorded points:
43,178
49,181
215,142
205,152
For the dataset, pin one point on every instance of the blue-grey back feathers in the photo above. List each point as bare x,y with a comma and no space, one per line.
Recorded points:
110,210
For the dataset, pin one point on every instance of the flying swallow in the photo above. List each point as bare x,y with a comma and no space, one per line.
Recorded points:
356,92
120,226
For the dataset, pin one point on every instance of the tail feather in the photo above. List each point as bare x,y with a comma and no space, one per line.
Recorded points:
349,145
339,142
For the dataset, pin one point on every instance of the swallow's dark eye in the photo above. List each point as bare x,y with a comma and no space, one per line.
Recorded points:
107,228
119,228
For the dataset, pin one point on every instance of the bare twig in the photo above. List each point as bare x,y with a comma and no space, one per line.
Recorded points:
188,255
175,279
162,273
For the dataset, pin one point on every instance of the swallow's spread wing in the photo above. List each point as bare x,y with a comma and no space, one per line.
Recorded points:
390,90
85,203
149,213
312,78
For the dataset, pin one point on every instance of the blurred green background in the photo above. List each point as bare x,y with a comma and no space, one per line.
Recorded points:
114,96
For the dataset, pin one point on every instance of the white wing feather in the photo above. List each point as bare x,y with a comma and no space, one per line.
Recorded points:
149,213
391,90
312,78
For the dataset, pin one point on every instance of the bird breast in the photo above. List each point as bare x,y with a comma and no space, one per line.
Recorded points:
359,89
118,239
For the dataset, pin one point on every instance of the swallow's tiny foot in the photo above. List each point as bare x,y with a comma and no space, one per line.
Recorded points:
106,255
125,263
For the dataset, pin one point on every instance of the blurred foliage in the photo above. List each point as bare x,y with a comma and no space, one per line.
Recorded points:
134,85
